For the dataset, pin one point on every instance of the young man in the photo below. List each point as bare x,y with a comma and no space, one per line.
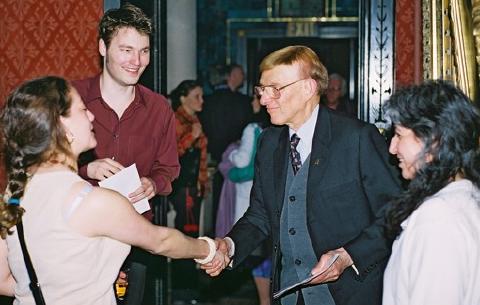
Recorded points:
132,124
321,186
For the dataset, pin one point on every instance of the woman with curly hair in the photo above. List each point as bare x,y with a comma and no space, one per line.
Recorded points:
436,221
77,236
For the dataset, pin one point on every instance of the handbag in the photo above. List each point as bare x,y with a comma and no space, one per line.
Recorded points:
34,284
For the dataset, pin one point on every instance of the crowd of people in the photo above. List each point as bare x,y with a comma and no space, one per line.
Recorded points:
299,182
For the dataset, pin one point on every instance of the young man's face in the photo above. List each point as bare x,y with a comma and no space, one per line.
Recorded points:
127,56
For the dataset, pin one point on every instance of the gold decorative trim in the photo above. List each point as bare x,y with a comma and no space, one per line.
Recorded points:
427,39
476,32
464,48
294,19
449,51
288,20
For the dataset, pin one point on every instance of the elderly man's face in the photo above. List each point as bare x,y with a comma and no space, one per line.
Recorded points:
289,107
334,91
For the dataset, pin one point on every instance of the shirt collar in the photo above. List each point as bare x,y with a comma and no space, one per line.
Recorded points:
95,93
305,132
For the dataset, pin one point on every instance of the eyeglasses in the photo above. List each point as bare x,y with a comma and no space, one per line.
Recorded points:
271,90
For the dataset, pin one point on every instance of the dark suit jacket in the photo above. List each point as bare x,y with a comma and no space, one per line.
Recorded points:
349,184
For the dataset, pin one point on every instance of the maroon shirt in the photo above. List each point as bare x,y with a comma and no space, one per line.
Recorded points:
145,134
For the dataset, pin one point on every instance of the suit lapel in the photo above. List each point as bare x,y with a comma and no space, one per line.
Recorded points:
280,159
320,149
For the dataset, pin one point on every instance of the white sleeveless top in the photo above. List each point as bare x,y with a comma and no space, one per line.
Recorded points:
71,268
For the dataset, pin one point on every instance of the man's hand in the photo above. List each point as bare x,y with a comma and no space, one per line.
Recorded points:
216,266
103,168
333,273
221,259
146,190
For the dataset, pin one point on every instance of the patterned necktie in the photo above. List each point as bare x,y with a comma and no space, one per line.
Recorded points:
294,154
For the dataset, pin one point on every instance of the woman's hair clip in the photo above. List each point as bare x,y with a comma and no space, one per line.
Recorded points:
14,201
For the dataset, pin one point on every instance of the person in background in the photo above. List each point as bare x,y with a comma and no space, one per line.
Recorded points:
191,184
335,95
190,187
225,113
321,186
133,125
242,158
71,229
436,221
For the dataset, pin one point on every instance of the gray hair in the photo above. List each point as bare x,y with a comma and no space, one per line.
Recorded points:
336,76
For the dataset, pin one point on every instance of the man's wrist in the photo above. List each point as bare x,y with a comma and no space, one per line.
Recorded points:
231,246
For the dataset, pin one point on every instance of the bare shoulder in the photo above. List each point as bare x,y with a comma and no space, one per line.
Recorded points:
99,197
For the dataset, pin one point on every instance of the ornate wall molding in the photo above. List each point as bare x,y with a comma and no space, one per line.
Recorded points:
476,32
378,60
449,48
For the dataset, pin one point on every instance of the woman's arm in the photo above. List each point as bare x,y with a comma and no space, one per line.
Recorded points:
107,213
7,282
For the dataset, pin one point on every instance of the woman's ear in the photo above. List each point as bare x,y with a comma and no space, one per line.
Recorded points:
68,133
182,99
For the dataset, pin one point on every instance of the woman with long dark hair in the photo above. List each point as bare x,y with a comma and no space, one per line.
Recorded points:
436,221
77,236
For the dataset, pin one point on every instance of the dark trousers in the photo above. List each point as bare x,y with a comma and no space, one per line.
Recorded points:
217,185
186,219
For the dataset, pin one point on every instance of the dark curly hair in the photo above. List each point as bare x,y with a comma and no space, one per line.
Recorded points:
127,16
183,89
31,134
448,124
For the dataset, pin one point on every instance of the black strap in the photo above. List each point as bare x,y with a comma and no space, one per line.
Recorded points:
34,284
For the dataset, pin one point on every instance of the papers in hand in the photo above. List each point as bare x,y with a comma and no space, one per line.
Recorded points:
278,294
126,182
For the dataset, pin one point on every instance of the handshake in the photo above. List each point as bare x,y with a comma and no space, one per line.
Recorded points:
220,254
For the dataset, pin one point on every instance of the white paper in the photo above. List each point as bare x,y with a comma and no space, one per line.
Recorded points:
126,182
278,294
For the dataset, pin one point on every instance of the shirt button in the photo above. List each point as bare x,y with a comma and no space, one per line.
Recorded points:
115,136
298,262
291,231
292,198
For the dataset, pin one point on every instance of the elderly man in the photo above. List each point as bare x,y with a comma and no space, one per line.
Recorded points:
334,97
322,181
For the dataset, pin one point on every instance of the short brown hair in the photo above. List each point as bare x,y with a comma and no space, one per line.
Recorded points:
128,16
303,55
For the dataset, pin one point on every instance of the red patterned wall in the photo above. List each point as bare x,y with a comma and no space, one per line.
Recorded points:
40,37
408,42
